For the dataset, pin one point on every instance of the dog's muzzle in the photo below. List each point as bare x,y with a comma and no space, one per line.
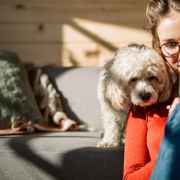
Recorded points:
145,96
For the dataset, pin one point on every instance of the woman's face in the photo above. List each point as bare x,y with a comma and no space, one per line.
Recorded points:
168,30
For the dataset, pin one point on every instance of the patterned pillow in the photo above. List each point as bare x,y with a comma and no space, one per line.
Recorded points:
17,101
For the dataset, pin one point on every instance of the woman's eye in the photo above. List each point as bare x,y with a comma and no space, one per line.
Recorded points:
171,44
152,77
134,79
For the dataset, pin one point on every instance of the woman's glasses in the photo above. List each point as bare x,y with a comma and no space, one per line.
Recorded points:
170,49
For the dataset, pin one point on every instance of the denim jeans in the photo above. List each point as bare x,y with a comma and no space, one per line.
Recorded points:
167,166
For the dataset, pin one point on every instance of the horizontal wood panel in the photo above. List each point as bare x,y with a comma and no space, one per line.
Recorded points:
80,54
68,54
30,32
40,54
71,1
72,32
42,12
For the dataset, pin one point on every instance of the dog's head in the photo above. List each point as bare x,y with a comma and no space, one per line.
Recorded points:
137,75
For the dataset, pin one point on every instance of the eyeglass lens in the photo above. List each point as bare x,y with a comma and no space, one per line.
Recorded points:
170,49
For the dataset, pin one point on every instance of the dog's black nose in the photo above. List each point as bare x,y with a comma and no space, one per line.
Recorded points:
145,96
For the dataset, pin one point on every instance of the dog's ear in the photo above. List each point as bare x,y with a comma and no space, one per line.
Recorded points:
165,94
117,96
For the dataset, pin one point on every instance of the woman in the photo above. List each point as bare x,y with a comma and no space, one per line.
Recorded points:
144,136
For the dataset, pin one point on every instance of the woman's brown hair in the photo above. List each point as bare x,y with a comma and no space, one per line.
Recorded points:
156,11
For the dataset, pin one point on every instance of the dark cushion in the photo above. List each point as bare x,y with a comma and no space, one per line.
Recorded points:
17,101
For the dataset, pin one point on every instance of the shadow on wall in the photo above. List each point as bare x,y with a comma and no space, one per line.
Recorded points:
100,41
89,54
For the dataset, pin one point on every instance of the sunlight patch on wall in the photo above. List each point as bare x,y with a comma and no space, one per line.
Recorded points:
90,41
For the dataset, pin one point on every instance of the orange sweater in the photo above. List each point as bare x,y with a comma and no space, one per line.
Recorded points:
144,132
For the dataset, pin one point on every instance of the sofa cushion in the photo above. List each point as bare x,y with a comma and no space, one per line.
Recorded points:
59,155
78,89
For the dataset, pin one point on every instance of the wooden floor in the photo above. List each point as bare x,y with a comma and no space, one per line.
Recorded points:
71,32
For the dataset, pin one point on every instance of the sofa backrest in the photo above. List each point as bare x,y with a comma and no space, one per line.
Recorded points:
78,89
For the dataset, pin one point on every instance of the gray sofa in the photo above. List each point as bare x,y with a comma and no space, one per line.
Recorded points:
65,155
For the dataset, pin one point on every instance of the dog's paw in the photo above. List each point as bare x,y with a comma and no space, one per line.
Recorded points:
123,142
103,144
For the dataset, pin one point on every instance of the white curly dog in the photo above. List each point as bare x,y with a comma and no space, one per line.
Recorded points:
134,74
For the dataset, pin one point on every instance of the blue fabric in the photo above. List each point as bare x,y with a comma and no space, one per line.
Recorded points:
167,166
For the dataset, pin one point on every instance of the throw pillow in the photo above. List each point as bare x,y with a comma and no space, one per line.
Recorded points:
17,101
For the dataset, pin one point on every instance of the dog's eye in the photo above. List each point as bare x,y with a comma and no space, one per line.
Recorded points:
152,77
134,79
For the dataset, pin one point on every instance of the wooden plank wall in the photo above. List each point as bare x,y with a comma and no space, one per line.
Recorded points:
70,32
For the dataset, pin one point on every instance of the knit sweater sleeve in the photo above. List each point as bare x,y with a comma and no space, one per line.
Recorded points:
137,162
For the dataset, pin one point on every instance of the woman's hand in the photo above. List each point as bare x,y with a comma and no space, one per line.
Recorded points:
174,104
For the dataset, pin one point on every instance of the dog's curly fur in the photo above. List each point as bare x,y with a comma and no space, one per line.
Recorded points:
134,74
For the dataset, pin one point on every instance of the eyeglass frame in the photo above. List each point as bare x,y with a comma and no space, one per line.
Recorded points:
160,48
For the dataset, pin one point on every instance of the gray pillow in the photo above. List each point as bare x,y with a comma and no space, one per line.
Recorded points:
17,101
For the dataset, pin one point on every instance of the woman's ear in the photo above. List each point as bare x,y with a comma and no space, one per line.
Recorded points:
116,94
